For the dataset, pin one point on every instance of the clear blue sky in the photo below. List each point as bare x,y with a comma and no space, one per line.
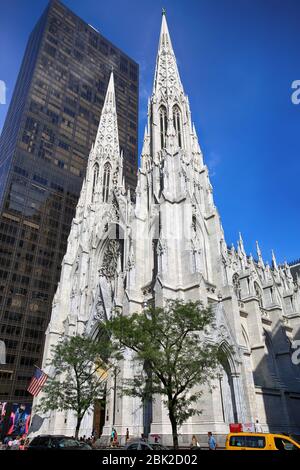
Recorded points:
237,60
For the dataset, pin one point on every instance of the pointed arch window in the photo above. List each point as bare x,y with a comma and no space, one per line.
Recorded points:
163,119
259,294
106,181
95,179
272,297
177,123
194,223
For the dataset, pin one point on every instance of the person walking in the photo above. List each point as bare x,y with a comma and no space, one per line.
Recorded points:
211,441
112,437
257,426
194,442
115,440
127,436
22,444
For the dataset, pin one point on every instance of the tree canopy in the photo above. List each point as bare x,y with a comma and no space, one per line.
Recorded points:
81,365
175,360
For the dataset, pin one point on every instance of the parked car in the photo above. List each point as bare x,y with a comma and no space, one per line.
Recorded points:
52,442
260,441
140,444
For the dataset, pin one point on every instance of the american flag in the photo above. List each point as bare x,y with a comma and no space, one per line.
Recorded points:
37,382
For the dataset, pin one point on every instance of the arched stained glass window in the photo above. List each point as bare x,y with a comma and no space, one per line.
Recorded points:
106,181
95,179
177,123
163,126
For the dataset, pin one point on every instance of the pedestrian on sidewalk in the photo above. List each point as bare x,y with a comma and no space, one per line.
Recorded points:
194,442
112,436
257,426
211,441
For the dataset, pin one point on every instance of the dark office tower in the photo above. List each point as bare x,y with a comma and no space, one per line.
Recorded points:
50,126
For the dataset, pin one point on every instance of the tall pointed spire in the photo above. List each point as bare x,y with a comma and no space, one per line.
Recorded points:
274,262
260,258
105,163
166,79
107,139
145,155
241,244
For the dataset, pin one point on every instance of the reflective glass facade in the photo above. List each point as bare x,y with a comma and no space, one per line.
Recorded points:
50,126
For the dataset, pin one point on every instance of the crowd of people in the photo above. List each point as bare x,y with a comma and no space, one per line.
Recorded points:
21,442
88,440
15,443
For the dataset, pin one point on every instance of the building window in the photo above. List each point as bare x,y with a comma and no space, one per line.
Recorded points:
106,181
123,65
163,126
194,223
177,124
133,72
103,47
259,294
271,295
93,40
95,179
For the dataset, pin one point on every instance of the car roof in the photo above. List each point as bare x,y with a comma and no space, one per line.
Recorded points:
248,433
259,434
137,439
54,436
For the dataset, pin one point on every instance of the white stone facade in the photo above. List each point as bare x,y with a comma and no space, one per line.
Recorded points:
169,243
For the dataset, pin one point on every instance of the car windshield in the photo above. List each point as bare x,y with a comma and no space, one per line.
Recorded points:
68,443
133,446
85,445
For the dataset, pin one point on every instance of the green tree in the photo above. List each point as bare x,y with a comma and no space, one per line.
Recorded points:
175,362
81,366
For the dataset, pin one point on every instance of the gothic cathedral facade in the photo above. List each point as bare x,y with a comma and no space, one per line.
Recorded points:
167,243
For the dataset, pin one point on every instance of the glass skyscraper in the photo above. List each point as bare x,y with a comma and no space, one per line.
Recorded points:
50,126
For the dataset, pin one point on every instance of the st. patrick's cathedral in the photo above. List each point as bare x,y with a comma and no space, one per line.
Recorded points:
167,242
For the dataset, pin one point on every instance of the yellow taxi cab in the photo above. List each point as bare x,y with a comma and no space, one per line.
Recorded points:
260,441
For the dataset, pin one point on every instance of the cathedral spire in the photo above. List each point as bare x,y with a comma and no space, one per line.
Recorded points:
145,155
107,139
260,259
274,262
105,163
167,79
241,244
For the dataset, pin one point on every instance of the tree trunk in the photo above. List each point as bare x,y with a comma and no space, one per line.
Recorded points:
174,428
79,419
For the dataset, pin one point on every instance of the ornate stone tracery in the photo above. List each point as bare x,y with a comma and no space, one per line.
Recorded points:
110,259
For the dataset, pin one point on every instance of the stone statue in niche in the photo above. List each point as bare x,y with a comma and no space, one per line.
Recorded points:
99,311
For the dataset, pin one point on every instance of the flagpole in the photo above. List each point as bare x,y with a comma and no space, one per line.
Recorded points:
31,415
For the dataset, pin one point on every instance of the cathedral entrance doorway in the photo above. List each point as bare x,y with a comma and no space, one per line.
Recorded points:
227,395
99,417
